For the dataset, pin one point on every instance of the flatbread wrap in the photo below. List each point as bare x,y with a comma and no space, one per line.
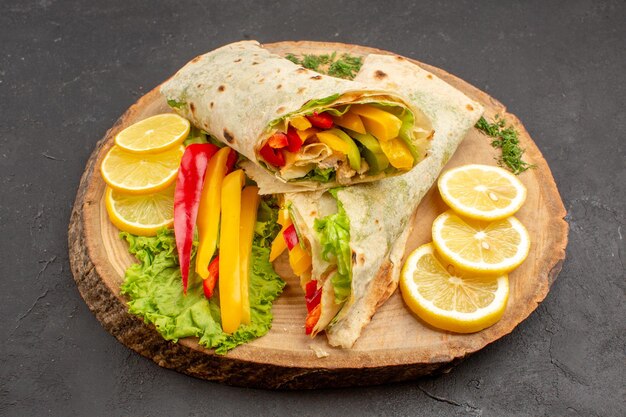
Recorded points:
356,235
308,130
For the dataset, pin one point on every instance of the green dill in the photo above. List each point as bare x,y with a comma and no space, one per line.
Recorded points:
292,58
507,139
346,66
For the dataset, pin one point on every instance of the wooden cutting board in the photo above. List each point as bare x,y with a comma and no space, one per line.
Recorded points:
395,346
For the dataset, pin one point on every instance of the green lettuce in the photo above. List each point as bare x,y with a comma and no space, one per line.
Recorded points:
320,174
334,235
155,290
310,105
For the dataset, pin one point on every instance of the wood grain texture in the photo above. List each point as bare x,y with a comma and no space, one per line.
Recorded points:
285,358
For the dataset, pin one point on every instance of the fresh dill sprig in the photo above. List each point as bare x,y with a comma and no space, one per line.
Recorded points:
507,139
347,66
292,58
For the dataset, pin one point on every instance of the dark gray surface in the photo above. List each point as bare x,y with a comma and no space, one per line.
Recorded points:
69,69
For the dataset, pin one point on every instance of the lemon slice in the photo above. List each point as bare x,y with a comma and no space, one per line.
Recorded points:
141,215
154,134
450,299
482,192
140,174
479,246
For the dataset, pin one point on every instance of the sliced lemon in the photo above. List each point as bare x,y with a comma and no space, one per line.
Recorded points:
141,215
154,134
482,192
479,246
140,174
451,299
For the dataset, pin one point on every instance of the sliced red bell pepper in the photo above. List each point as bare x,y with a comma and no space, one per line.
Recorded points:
208,285
231,161
274,157
295,141
187,199
312,318
313,295
321,120
291,237
278,141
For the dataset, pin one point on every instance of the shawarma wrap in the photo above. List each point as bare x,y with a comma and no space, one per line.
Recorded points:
309,131
356,235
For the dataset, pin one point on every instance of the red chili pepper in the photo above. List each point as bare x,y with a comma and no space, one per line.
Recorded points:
312,318
295,141
321,120
278,140
187,199
208,285
231,161
313,295
291,237
272,156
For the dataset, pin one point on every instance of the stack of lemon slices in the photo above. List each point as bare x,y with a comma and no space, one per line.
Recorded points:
140,171
459,282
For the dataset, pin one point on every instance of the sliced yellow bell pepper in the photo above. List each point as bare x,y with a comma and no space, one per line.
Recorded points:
283,216
334,142
229,278
380,123
305,134
299,260
249,205
398,153
350,121
208,220
279,245
300,123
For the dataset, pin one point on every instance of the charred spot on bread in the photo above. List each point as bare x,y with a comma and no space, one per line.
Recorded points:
221,88
316,77
379,74
228,136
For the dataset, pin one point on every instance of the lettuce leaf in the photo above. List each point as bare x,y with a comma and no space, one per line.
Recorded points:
319,174
334,235
155,291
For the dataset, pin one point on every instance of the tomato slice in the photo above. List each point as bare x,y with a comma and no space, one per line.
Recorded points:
321,120
291,237
295,141
313,295
272,156
278,140
312,318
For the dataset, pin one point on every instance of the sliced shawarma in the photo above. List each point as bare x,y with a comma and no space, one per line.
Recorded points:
307,130
356,235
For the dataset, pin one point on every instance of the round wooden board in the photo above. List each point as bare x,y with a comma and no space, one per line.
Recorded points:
395,346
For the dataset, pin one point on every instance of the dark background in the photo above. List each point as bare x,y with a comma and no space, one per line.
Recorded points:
68,69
